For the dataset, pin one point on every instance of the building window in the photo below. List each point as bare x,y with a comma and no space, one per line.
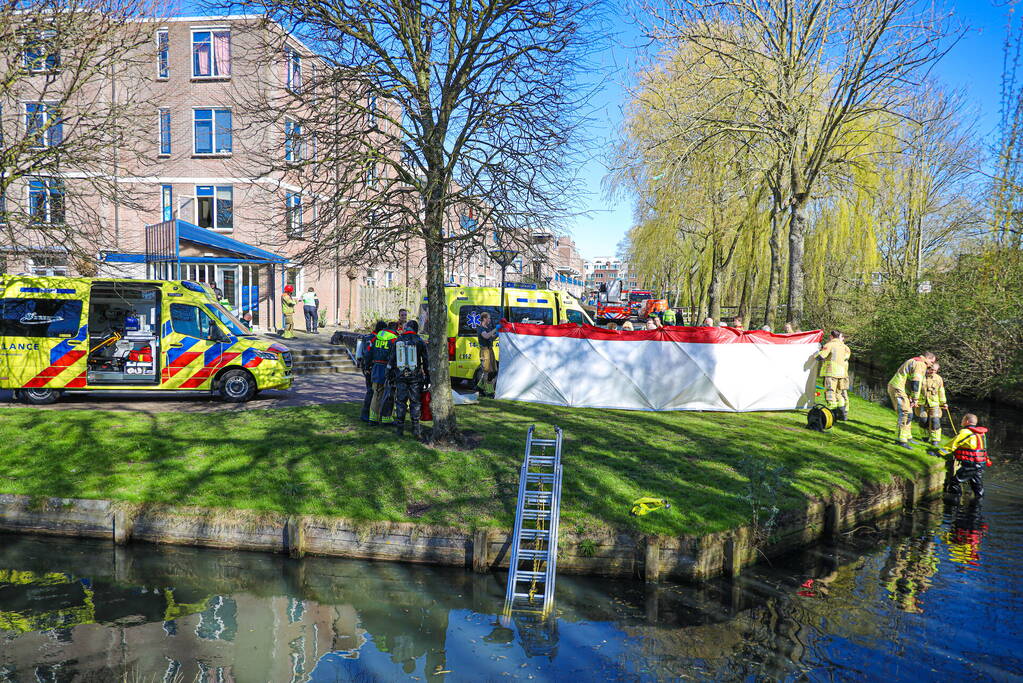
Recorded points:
165,131
54,266
293,64
167,201
41,53
211,54
162,54
214,207
388,278
43,124
293,150
46,200
293,202
212,131
371,111
371,278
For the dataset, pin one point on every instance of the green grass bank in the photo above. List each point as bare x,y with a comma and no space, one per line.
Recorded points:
717,469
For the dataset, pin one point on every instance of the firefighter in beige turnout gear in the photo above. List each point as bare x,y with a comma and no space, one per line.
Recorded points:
932,402
904,391
834,357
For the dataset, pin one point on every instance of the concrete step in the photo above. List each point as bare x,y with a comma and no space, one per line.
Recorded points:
324,370
331,355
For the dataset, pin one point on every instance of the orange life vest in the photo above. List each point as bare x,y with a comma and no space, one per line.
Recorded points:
976,455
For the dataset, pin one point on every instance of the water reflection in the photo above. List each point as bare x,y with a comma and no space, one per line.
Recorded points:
911,597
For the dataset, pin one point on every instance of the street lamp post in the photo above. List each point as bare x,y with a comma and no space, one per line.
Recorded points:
503,258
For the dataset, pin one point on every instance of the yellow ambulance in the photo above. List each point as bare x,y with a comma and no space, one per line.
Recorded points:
62,334
522,304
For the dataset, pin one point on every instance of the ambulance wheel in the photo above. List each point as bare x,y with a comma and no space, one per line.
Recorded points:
236,386
39,397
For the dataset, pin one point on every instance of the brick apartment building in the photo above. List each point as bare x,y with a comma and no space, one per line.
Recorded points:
202,165
199,172
605,270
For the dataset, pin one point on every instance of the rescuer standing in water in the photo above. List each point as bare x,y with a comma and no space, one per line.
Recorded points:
969,448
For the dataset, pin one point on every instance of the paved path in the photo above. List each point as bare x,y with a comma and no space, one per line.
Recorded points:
306,391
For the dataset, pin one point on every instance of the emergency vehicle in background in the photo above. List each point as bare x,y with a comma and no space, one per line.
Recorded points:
614,305
62,334
522,304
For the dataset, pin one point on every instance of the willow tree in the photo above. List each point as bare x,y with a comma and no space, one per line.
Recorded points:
699,200
800,72
428,114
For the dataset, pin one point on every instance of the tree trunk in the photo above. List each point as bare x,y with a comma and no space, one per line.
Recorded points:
749,284
442,404
701,306
777,265
797,238
714,288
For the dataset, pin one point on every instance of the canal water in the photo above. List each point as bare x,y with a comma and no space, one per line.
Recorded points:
935,594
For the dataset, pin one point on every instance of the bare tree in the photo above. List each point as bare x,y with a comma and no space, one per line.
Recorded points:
440,123
804,74
72,112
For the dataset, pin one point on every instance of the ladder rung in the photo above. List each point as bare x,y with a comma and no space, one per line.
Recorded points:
525,596
530,576
539,476
530,554
533,533
544,442
536,514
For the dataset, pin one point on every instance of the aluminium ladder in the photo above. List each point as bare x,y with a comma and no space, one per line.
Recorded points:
534,559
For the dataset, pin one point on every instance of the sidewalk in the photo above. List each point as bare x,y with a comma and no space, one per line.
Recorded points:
307,390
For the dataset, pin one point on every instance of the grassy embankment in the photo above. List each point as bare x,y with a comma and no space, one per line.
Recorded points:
323,461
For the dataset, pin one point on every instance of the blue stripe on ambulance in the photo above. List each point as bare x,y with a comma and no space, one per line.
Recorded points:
248,354
215,352
60,349
186,344
166,328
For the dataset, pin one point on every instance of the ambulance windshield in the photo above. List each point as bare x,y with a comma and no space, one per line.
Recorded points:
233,324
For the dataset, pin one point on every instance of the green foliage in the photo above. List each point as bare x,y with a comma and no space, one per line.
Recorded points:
972,319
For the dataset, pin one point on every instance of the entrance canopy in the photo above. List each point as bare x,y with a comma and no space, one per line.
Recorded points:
163,245
165,250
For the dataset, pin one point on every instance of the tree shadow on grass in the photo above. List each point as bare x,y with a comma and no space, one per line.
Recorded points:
321,460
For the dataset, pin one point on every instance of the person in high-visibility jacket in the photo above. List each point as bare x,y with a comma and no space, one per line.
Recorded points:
835,371
668,317
969,448
932,402
288,310
904,391
383,401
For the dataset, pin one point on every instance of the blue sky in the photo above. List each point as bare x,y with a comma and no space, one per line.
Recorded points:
974,65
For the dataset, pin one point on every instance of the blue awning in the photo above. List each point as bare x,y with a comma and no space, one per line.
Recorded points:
209,238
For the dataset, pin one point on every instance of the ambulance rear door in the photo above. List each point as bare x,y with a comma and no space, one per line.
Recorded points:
44,332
